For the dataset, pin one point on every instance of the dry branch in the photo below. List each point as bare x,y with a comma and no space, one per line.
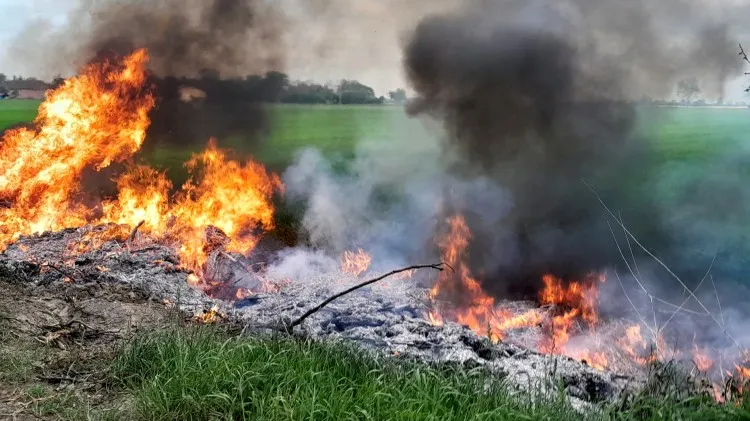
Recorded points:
135,231
437,266
663,265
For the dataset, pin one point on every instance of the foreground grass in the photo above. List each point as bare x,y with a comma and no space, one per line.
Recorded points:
198,374
202,374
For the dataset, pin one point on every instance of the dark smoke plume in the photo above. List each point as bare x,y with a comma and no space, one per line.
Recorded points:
200,53
539,97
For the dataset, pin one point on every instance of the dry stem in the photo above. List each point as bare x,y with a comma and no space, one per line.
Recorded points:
437,266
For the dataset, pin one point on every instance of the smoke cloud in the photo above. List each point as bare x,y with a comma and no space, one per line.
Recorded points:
539,97
533,98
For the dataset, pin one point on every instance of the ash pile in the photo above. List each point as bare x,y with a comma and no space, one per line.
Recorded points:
387,317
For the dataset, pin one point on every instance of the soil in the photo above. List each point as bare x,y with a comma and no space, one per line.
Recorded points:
56,342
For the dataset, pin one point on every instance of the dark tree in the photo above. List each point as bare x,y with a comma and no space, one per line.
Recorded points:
398,95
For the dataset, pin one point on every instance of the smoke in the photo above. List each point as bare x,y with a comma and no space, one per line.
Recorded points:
539,97
533,98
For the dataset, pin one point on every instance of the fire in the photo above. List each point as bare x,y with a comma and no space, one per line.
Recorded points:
143,195
243,293
480,312
435,318
355,262
91,120
702,360
210,316
100,117
594,359
233,197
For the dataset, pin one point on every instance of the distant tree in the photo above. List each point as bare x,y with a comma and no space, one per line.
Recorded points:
353,92
398,95
3,78
274,84
687,89
14,93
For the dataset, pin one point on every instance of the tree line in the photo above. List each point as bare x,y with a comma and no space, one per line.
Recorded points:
272,87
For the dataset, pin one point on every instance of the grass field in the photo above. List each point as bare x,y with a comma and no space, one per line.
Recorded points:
681,133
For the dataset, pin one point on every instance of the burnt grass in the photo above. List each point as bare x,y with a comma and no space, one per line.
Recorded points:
70,351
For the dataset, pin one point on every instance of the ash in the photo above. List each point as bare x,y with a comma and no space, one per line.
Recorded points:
386,317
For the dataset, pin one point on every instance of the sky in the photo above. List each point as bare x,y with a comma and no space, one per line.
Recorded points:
371,53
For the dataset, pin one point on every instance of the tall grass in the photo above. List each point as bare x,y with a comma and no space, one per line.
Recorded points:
199,375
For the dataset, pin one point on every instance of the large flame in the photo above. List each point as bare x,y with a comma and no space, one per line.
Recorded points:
99,117
92,120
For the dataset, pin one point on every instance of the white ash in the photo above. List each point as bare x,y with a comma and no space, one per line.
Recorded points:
387,317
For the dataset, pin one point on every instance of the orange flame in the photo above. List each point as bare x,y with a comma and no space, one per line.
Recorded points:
233,197
92,120
100,117
355,262
479,311
702,360
211,316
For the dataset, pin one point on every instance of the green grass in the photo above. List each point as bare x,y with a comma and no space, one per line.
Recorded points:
17,111
202,374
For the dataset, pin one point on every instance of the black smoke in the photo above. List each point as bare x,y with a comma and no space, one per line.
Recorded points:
212,62
539,109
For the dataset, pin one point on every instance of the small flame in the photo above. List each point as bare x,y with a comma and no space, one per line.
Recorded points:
702,360
209,317
243,293
355,262
193,279
480,313
434,318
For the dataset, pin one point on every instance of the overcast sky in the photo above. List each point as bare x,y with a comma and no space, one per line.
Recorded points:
370,54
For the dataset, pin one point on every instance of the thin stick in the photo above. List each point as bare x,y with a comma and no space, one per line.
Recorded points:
135,231
663,265
688,298
655,329
638,313
437,266
60,271
718,301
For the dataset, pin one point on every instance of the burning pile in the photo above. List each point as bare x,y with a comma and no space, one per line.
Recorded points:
101,117
568,320
214,221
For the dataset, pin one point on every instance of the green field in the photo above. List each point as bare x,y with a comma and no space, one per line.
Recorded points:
681,133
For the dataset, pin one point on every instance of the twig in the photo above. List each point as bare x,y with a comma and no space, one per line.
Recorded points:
718,301
60,271
743,54
135,231
663,265
684,310
638,313
688,298
437,266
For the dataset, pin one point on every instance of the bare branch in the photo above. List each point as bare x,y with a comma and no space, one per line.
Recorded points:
437,266
662,264
135,231
742,53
